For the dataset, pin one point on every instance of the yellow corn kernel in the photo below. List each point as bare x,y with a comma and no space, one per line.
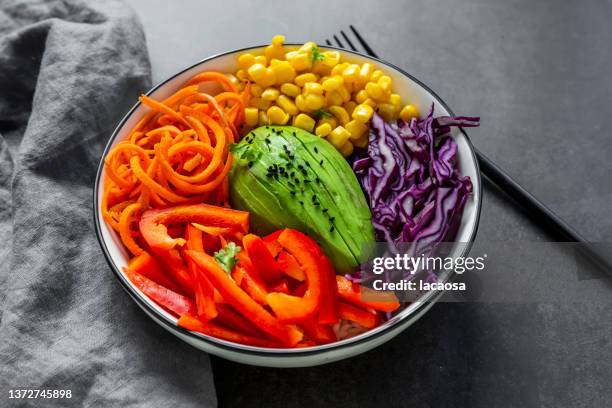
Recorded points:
301,80
356,129
308,46
337,70
333,83
351,73
363,113
283,71
278,40
270,94
409,112
385,83
304,121
287,105
300,103
345,94
312,88
277,116
365,72
361,142
251,115
242,75
376,75
299,60
339,113
387,111
370,102
257,72
291,90
256,90
361,96
374,90
318,67
274,52
246,60
349,107
331,58
314,102
263,118
323,130
395,100
233,79
329,120
338,137
261,59
333,98
346,150
358,86
259,103
269,78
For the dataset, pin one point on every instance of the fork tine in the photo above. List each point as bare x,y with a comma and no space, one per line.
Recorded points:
364,44
350,44
338,41
328,42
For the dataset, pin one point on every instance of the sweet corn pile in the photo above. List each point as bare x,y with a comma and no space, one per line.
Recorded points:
318,92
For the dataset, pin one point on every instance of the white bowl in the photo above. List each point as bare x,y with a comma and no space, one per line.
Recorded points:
411,90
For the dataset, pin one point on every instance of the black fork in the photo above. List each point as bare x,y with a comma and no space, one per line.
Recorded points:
534,208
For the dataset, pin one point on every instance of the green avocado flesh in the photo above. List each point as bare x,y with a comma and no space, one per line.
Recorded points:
288,178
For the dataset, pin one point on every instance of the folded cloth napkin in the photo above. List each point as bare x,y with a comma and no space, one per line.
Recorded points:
69,69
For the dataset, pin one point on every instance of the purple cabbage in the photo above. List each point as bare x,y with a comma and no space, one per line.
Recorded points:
411,180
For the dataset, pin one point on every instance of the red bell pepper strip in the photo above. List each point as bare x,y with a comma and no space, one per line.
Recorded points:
174,263
281,286
365,318
161,295
242,302
250,284
320,333
155,233
271,241
148,267
230,318
289,266
261,258
204,295
214,330
366,297
328,314
290,308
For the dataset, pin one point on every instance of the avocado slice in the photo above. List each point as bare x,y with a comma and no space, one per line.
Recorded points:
287,177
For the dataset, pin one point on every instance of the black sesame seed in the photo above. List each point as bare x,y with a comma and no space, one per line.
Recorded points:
316,150
292,193
321,162
325,210
331,219
301,203
331,229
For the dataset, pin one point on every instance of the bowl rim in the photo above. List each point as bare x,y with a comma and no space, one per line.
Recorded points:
431,296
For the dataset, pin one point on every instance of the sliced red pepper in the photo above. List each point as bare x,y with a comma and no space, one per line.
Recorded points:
242,302
261,258
281,286
148,267
290,308
320,333
363,317
357,295
174,263
153,224
289,266
328,314
161,295
204,295
214,330
300,290
271,241
256,289
230,318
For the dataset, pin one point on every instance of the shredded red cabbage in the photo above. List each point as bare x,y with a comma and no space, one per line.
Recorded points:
411,179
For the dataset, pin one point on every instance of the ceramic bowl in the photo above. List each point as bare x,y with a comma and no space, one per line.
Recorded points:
411,90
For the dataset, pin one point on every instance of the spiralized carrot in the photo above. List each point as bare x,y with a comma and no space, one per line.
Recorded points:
178,153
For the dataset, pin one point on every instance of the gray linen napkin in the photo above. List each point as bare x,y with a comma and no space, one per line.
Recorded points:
68,71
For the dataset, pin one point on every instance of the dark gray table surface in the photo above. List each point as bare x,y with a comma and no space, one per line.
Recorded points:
538,73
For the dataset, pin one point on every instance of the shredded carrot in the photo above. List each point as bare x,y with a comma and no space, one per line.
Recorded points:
177,153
